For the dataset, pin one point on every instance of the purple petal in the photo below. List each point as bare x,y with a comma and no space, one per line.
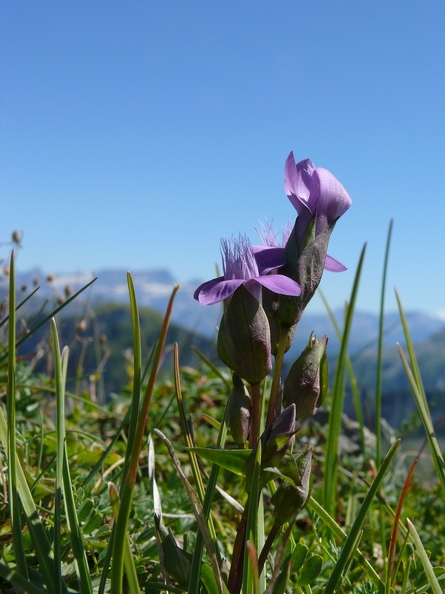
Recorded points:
307,183
278,283
333,265
333,200
298,184
268,258
290,172
216,290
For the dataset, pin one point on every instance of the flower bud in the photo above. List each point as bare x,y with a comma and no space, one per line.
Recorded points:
290,498
276,438
274,443
307,382
244,337
239,411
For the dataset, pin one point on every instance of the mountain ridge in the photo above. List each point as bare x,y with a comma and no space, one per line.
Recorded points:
154,287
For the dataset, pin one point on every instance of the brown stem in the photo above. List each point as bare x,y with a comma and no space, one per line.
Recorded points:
236,568
267,546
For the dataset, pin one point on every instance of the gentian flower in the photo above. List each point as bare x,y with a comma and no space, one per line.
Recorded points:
241,266
315,191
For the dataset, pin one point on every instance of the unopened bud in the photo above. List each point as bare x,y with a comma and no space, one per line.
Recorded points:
307,382
292,496
276,438
275,442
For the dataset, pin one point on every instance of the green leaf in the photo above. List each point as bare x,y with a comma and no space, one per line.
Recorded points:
85,510
92,523
299,555
233,460
209,580
310,570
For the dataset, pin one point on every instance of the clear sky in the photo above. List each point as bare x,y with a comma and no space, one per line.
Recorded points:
135,134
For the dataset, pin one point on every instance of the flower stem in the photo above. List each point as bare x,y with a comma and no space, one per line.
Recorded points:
256,406
279,358
267,546
236,568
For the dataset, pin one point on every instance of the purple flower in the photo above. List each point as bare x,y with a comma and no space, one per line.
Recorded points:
241,266
314,190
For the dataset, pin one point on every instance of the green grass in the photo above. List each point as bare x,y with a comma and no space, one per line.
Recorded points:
146,492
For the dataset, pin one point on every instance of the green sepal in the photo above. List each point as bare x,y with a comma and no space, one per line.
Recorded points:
306,267
244,337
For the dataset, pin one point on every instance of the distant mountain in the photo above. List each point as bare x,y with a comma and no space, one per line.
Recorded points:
153,290
196,324
154,287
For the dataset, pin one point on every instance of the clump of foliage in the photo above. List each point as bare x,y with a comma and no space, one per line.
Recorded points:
200,481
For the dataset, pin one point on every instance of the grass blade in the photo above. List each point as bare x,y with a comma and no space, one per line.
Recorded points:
18,580
423,555
349,546
60,446
331,461
352,379
38,535
63,478
378,390
195,568
130,568
422,405
48,318
197,510
415,381
137,364
134,449
341,535
19,305
14,500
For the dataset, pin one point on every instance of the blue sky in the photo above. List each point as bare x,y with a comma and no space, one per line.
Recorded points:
136,134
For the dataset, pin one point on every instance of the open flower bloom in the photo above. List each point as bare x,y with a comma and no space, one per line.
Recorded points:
241,266
315,191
